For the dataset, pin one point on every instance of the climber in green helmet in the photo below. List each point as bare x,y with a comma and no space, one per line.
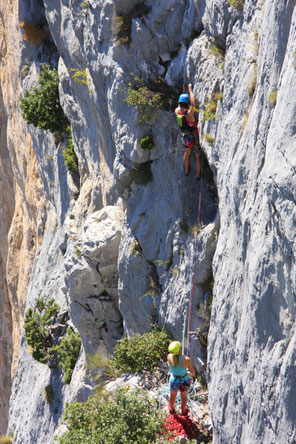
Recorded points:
180,378
188,122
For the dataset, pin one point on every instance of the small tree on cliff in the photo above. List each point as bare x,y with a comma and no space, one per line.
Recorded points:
37,328
41,106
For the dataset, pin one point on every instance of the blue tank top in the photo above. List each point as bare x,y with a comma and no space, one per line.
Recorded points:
179,371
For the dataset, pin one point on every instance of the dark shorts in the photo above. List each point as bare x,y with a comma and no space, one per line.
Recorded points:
181,383
191,141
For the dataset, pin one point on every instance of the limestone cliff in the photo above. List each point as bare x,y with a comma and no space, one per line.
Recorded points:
118,255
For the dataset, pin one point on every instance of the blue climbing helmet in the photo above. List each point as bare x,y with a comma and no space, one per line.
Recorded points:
184,98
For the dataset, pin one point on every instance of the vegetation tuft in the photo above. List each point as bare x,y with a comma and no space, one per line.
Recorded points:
69,154
184,226
123,29
141,352
41,106
141,173
115,417
273,98
147,142
154,288
210,139
135,249
139,95
237,4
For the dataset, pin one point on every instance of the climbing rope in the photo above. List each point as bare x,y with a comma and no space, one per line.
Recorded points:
195,257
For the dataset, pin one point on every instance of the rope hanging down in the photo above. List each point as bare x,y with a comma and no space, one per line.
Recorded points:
195,258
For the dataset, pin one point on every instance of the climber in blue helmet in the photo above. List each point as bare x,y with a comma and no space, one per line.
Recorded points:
188,123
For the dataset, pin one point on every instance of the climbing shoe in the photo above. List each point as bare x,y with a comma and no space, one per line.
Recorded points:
185,413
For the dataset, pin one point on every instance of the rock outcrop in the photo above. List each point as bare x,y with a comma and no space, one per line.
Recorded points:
119,255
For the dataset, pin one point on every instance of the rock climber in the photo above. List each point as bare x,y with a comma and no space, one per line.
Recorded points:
180,378
188,122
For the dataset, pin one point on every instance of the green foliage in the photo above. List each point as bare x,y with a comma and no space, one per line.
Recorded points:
273,97
84,4
141,352
141,173
41,106
124,28
67,353
210,139
69,154
77,251
139,95
80,76
49,393
209,112
215,51
120,417
37,328
237,4
147,142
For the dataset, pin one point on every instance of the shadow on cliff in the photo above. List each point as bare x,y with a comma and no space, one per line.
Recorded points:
57,384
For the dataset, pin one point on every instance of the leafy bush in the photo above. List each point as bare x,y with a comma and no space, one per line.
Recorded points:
141,352
69,154
147,142
120,417
37,328
41,106
33,34
141,173
67,353
49,393
139,95
102,368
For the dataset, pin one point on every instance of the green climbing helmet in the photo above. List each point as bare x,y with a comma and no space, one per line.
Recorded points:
174,347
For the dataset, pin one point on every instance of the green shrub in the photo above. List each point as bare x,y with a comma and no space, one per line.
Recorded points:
69,154
67,353
119,417
49,393
102,368
215,51
141,352
139,95
123,29
141,173
273,98
37,328
147,142
41,106
237,4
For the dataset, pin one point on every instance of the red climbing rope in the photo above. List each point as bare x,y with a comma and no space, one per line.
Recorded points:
195,257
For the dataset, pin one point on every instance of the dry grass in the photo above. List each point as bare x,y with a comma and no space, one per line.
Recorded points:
273,97
237,4
32,34
210,139
245,120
